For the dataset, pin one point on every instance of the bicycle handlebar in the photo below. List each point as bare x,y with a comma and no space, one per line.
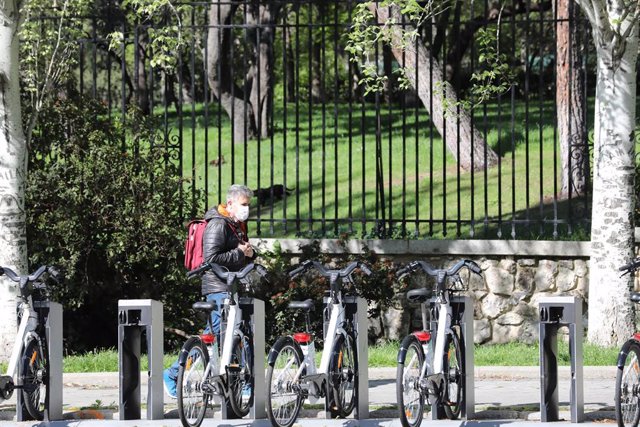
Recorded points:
429,270
31,281
226,275
630,267
331,274
29,278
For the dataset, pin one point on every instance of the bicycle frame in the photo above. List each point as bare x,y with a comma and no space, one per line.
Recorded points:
26,332
336,321
335,327
29,321
216,368
445,314
434,370
432,376
234,320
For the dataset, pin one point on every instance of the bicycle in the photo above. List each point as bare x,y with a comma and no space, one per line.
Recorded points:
28,368
292,376
434,372
203,373
628,375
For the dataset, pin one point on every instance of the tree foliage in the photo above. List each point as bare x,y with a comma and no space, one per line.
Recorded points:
493,77
107,206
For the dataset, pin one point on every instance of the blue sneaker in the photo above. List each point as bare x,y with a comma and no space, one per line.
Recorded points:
246,392
169,384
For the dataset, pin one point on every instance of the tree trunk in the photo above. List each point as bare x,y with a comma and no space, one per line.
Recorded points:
220,77
317,88
290,66
464,142
611,316
143,94
570,102
13,170
264,17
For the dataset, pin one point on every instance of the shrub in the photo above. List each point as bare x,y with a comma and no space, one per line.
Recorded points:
105,203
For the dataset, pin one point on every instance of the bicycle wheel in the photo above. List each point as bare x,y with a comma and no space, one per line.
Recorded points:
192,400
628,385
343,375
34,371
410,399
453,368
285,394
241,376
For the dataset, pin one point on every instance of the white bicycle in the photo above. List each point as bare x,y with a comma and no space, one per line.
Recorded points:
292,376
28,369
436,373
204,374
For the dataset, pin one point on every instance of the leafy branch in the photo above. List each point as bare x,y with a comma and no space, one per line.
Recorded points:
164,41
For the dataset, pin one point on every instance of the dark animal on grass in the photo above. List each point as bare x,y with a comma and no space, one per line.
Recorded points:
217,161
271,194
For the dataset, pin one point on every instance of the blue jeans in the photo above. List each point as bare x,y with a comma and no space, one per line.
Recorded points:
218,298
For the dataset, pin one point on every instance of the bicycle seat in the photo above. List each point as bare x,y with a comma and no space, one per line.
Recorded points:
419,295
635,296
205,306
304,305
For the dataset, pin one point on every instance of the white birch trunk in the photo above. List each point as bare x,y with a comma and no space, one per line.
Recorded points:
611,316
13,169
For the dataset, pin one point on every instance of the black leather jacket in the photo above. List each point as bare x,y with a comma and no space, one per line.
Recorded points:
220,245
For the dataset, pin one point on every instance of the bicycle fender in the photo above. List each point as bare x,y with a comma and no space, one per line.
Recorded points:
182,357
273,353
624,351
404,346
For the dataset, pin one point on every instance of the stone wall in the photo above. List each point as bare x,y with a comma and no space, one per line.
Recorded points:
516,274
505,298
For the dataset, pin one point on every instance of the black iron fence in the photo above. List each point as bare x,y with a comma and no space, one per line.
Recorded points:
266,94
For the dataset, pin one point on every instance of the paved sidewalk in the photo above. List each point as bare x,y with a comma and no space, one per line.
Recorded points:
502,395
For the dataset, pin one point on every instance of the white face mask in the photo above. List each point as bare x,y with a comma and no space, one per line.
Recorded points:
242,213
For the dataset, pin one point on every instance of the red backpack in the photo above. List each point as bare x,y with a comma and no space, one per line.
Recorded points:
193,247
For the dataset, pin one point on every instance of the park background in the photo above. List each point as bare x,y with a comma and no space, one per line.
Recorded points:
150,117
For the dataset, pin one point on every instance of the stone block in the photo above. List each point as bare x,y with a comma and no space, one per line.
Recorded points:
565,279
524,281
499,281
581,268
481,331
395,323
494,305
508,265
545,275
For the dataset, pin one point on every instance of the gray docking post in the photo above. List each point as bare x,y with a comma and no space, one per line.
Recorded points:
134,317
556,312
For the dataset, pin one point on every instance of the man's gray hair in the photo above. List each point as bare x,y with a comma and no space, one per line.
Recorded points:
237,190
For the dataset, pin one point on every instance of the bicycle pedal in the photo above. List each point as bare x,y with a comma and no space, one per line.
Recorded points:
234,367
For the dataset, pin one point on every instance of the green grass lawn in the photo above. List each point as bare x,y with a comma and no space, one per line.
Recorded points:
383,355
329,158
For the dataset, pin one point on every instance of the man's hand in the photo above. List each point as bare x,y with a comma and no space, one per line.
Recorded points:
246,249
